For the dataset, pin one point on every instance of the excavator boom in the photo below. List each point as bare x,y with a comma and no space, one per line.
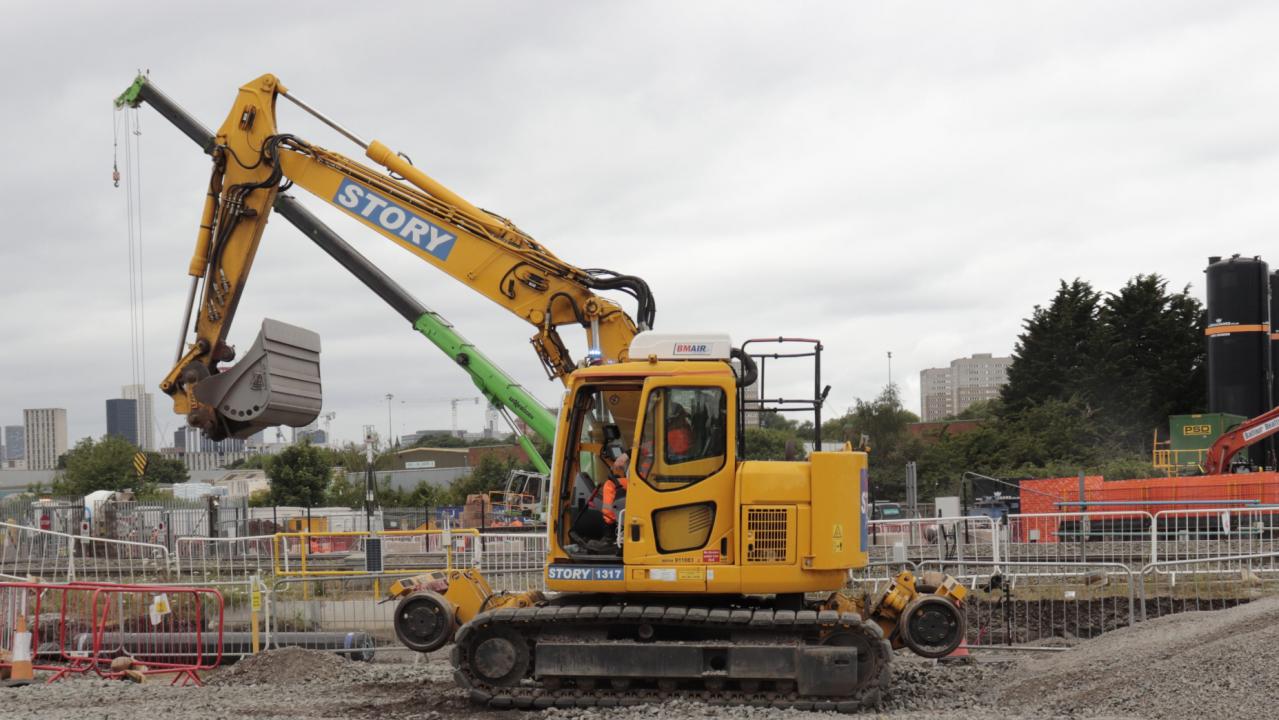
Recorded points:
1245,434
483,250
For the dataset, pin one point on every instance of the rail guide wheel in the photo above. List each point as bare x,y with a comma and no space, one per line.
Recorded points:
932,626
425,621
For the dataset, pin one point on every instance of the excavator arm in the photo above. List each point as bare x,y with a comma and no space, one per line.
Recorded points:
483,250
1243,435
498,387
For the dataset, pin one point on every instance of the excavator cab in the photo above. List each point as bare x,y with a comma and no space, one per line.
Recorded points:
675,420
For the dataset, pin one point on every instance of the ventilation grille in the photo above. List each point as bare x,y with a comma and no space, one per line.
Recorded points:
767,534
700,519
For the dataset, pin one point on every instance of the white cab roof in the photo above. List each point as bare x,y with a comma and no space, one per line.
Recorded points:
681,346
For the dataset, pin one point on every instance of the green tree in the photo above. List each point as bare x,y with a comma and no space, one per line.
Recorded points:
981,410
1056,353
260,498
1090,378
440,440
163,470
106,464
424,494
773,420
344,491
1151,357
884,422
299,476
490,473
764,443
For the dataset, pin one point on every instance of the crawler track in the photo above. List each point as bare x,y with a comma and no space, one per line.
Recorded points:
509,678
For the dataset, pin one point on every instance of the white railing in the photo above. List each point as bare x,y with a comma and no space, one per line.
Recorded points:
1103,536
514,561
223,558
1204,533
54,556
944,538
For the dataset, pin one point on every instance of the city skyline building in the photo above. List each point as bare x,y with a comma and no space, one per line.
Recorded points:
300,433
14,442
948,391
198,452
45,437
189,439
122,418
145,416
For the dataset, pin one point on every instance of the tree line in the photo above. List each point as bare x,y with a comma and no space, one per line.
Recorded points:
302,475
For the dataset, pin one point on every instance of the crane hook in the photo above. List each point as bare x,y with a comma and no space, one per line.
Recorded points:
115,174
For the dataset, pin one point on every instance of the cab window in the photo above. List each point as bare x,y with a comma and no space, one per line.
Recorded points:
685,436
603,415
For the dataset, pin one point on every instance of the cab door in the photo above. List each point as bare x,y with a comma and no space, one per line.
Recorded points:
680,501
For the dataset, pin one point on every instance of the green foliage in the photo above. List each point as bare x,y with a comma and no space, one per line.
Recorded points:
163,470
882,421
1136,356
1151,357
772,420
773,444
299,476
1091,377
489,474
345,491
441,440
260,498
984,410
424,494
103,465
1056,353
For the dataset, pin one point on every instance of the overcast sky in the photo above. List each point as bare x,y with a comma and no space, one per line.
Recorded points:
905,177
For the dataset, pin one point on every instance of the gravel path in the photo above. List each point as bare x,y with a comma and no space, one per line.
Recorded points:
1191,665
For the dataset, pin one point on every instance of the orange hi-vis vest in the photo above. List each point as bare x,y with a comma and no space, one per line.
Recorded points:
613,499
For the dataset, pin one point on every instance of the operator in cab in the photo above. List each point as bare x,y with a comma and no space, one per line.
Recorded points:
615,487
595,528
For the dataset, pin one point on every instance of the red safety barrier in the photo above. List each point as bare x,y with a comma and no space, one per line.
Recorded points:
39,602
162,628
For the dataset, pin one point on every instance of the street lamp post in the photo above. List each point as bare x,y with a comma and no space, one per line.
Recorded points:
390,431
369,483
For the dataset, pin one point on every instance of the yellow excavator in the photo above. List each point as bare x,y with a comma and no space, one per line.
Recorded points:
710,576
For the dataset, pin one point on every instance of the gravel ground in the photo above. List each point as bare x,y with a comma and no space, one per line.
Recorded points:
1189,665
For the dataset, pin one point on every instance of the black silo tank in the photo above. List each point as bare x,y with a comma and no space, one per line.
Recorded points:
1238,337
1274,337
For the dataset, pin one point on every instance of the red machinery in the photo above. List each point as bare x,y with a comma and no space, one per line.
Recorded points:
1231,442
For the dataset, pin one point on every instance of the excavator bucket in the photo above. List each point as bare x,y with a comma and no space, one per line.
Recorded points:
276,383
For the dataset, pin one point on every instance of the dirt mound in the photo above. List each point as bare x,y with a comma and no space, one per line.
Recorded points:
287,666
1190,665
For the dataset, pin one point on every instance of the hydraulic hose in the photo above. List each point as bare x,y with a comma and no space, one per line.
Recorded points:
750,372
